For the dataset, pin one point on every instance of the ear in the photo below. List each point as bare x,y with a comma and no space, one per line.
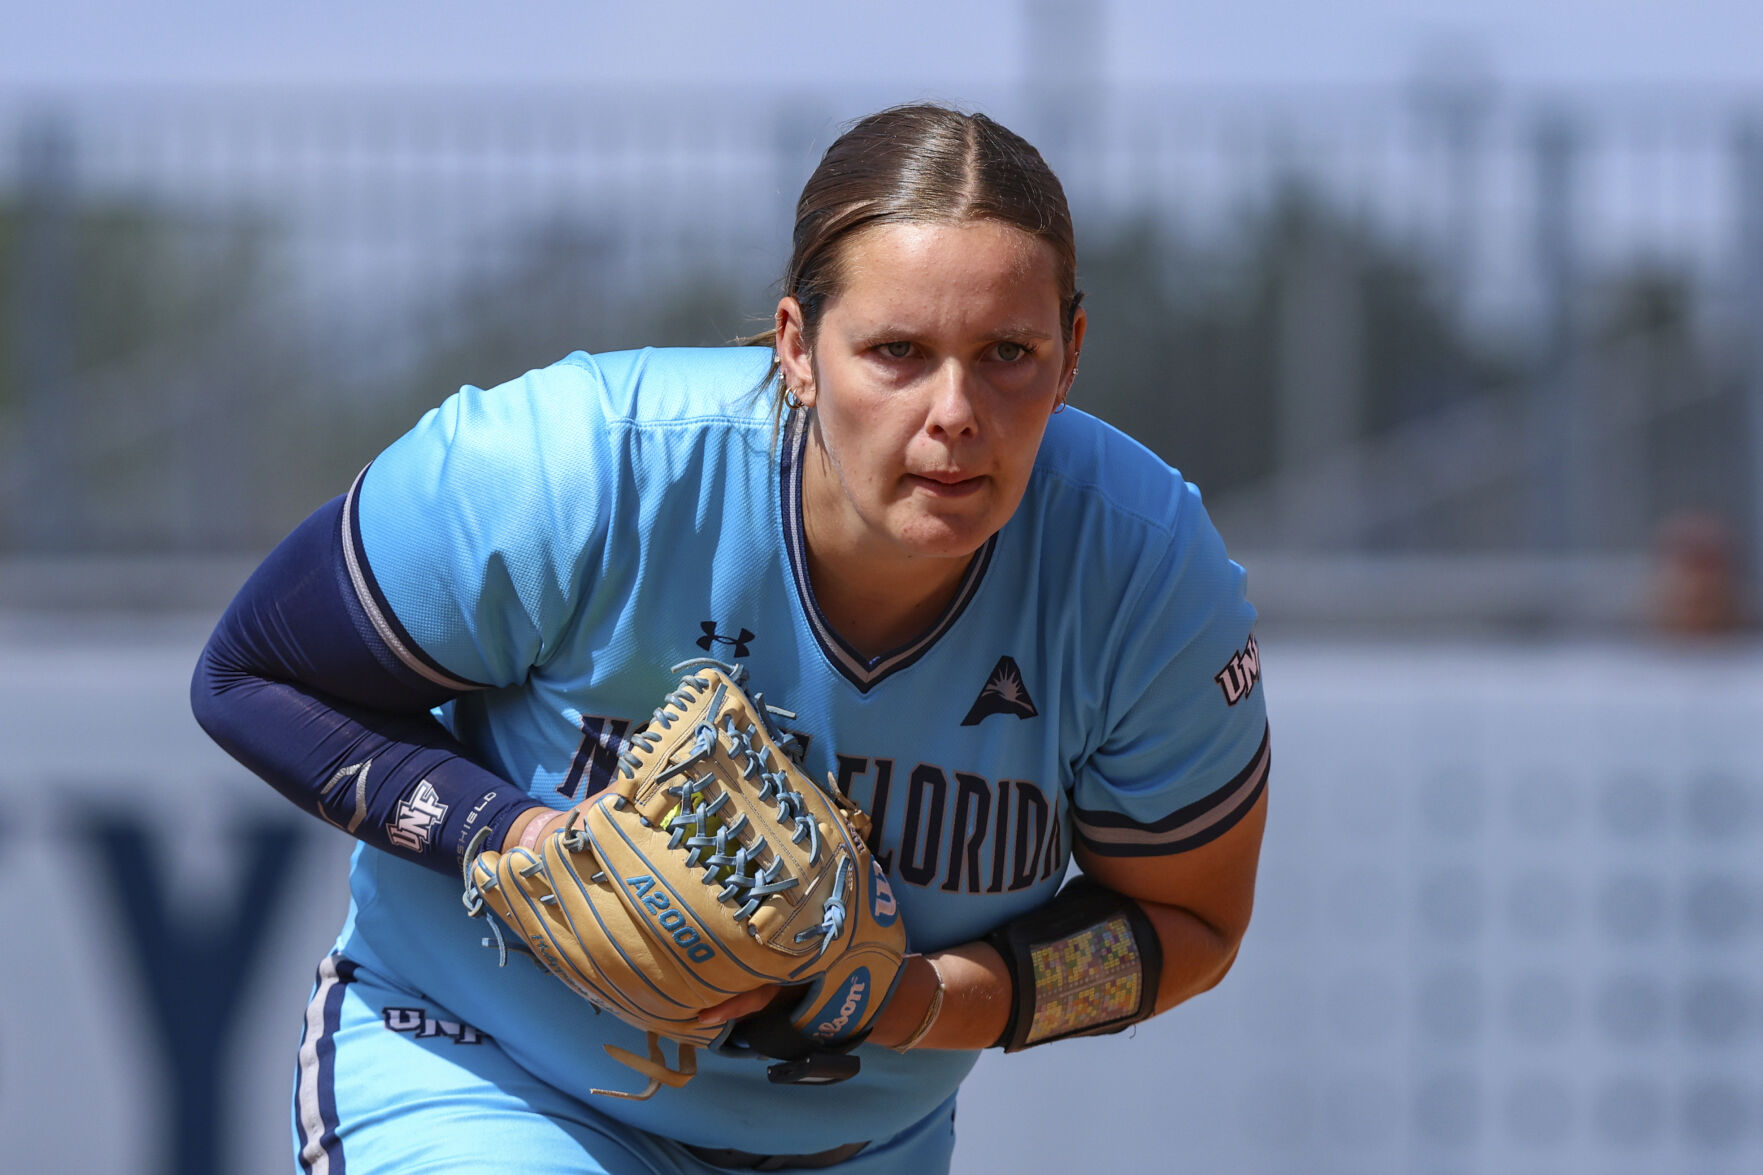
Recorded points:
795,358
1079,323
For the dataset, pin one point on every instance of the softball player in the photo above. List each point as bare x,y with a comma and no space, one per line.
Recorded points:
1008,631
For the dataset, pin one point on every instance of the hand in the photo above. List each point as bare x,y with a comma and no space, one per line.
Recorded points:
904,1011
746,1004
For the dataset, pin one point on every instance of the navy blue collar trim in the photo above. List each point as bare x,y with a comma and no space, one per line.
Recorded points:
863,672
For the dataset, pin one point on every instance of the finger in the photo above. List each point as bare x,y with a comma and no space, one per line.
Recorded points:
745,1004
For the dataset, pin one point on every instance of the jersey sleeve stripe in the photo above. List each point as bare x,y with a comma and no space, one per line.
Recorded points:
379,612
1114,835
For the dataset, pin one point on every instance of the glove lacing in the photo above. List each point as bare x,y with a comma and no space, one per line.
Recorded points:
725,860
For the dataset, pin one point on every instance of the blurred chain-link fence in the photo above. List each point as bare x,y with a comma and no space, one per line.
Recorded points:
1373,327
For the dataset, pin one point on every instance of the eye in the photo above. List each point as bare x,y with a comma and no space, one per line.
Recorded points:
896,350
1010,352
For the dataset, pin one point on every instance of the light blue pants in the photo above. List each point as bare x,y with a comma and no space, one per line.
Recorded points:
389,1082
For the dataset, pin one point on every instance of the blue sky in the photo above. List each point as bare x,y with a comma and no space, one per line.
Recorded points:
945,44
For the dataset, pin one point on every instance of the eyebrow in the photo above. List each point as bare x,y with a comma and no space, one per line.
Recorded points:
888,333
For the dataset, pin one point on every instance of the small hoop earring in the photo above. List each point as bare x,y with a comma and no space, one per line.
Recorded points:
791,400
1066,394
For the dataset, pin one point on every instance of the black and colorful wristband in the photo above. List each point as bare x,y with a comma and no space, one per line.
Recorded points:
1085,964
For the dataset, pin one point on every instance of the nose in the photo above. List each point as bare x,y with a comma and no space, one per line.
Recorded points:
951,413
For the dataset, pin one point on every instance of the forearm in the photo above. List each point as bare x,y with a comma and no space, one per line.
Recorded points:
309,698
399,782
977,991
976,999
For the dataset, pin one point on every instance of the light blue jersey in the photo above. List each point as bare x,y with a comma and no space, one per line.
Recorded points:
561,540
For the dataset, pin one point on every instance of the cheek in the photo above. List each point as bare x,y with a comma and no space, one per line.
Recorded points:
1026,422
1025,446
859,443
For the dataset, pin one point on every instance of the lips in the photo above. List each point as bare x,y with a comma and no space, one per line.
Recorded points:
946,483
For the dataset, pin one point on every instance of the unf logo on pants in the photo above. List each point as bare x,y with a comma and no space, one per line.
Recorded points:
417,1022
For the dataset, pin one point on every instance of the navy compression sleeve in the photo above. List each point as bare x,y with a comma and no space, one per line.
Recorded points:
296,685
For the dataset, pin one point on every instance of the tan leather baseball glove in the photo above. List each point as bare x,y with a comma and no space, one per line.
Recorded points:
712,866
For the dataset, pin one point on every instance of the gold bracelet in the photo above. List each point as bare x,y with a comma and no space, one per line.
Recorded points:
931,1012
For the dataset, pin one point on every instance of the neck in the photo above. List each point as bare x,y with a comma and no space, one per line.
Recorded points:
877,611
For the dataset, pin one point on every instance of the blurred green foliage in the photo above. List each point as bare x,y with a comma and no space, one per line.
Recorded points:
1185,338
208,413
142,305
554,297
138,279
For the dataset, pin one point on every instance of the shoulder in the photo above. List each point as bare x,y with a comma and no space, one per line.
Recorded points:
1098,488
1129,563
652,385
680,384
1158,626
556,424
556,441
484,526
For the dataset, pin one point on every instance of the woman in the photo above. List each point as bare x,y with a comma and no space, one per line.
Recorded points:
1010,632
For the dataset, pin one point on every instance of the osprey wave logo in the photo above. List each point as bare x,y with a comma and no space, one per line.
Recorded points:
1003,693
850,1001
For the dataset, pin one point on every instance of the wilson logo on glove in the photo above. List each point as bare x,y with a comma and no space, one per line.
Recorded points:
849,1006
709,867
882,906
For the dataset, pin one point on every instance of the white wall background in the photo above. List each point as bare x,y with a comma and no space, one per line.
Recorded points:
1509,921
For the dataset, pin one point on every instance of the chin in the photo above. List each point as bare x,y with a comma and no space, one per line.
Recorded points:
945,539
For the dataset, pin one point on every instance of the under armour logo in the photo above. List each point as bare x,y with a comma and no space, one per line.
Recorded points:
1003,693
712,638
